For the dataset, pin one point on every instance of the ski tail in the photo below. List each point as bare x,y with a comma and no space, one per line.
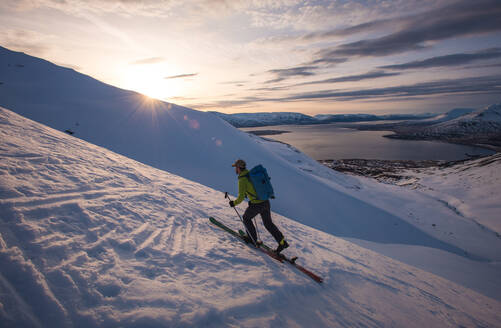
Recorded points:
306,271
292,261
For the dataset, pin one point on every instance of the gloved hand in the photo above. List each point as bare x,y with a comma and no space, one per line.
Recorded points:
232,204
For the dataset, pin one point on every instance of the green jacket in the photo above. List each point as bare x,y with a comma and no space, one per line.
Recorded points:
246,189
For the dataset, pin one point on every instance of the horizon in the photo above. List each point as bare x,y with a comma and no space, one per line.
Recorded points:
326,57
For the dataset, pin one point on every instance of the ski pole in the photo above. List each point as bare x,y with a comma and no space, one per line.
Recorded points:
248,234
257,230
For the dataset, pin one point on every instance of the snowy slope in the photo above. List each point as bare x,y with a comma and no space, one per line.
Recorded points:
470,188
201,147
90,238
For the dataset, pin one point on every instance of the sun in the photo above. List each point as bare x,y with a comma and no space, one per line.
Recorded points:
150,82
154,89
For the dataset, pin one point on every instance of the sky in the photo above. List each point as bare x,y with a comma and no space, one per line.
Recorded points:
312,57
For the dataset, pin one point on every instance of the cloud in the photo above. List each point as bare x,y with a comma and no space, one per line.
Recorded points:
448,60
238,83
171,9
485,85
121,7
329,61
472,85
353,78
285,73
348,78
360,28
25,40
147,61
305,71
334,19
180,76
459,19
270,88
486,66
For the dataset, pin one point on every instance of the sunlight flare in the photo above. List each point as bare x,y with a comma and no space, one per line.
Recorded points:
150,82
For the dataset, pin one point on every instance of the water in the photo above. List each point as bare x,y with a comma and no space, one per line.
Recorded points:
330,141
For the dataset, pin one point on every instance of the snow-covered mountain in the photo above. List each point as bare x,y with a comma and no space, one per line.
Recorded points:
482,126
90,238
484,121
331,118
265,119
241,120
450,115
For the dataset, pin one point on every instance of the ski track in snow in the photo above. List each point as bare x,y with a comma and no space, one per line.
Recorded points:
90,238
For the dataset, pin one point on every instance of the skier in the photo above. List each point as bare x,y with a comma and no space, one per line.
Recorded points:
256,206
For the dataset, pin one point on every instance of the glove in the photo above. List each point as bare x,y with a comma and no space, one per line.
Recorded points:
232,204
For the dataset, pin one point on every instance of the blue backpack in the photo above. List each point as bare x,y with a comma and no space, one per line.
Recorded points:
259,178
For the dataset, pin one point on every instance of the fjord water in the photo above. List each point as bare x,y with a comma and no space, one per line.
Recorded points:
330,141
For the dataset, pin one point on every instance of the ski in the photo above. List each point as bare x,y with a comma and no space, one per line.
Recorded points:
267,250
234,233
292,261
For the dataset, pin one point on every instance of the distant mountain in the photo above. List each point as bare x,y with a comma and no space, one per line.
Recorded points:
241,120
265,119
481,126
450,115
483,121
332,118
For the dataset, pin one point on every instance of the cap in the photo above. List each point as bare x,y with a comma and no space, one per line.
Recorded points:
240,163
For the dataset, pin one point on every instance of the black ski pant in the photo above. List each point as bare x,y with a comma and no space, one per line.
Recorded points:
265,211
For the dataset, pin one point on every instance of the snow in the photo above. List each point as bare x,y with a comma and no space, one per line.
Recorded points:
471,188
92,238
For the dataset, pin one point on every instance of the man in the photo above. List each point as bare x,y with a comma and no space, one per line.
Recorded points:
256,206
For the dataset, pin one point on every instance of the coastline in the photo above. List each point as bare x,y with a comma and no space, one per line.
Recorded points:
267,132
479,142
492,143
388,171
414,131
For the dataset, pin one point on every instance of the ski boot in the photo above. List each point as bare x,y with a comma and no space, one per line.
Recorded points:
283,244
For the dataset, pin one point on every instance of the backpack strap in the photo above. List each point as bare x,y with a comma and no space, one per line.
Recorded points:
248,178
